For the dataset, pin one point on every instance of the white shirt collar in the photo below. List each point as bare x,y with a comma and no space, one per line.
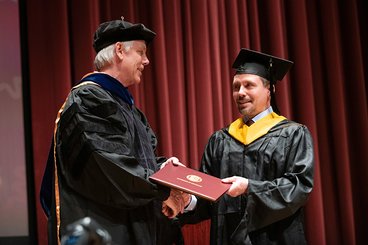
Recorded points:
262,114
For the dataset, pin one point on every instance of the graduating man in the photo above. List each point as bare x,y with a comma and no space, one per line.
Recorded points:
104,149
267,158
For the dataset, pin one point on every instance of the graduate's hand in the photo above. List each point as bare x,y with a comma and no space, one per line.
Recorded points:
174,204
172,160
239,185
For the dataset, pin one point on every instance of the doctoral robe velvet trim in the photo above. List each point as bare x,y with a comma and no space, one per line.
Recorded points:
110,84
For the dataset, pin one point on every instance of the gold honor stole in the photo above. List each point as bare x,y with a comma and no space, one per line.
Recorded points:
247,134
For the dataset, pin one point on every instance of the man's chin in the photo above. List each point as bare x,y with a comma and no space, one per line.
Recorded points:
138,80
244,111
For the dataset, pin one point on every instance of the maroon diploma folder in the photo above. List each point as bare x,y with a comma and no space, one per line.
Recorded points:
191,181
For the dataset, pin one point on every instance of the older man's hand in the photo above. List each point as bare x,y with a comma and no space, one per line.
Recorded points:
173,160
176,203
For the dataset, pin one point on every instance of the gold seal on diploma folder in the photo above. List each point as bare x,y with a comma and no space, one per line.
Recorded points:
191,181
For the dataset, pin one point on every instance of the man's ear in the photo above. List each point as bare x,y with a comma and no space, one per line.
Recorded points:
268,87
119,50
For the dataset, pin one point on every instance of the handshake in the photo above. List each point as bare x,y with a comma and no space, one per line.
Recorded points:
177,200
176,203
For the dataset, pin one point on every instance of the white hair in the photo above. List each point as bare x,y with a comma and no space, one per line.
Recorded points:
105,56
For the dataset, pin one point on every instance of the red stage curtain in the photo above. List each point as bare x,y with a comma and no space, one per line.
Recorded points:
186,90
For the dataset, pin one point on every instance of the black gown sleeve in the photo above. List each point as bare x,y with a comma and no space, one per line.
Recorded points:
271,200
102,154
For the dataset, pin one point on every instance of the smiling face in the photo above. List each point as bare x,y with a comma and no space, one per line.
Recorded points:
250,94
133,61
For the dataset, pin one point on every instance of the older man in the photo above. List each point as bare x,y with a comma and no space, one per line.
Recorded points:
104,148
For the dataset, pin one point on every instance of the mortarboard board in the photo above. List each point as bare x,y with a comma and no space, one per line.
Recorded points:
118,31
264,65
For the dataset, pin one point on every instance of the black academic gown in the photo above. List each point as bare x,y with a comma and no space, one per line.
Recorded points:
104,156
279,166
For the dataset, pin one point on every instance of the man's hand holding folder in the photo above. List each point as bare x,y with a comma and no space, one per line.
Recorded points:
190,181
178,199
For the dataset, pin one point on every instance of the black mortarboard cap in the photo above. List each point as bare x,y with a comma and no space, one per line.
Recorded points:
119,31
264,65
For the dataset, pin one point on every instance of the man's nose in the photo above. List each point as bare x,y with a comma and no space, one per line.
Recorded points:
145,60
242,91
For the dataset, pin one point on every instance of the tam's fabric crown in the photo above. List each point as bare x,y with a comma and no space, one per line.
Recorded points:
119,31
